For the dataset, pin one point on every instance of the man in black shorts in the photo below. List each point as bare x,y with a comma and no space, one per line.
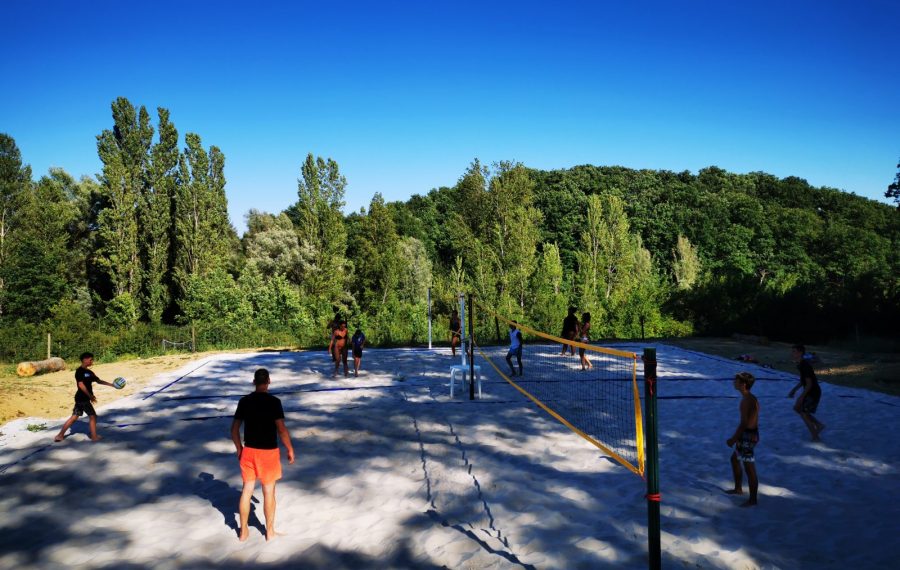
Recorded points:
808,401
569,330
84,398
259,455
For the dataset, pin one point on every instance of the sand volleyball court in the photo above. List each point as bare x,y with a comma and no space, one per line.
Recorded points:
391,473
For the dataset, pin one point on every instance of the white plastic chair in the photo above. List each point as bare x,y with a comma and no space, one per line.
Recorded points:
463,371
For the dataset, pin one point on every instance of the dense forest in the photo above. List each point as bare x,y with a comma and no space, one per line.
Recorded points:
145,250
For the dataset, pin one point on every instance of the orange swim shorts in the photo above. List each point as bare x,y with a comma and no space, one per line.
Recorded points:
262,464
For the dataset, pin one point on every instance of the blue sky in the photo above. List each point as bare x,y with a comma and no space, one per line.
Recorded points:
404,95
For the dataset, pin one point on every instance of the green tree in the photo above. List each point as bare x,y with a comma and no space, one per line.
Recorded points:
549,297
156,228
271,245
15,179
514,233
893,189
36,270
686,263
319,223
124,153
204,236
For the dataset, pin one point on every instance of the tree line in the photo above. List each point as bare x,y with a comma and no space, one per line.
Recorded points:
146,247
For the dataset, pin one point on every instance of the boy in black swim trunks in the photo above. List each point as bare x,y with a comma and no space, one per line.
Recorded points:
357,342
745,439
808,401
84,398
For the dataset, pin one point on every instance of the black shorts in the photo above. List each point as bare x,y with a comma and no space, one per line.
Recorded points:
357,353
810,403
82,408
744,446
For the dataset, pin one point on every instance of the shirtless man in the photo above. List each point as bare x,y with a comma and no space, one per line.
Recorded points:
745,439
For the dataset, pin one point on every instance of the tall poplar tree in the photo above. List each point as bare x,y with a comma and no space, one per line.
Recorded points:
156,221
124,151
204,236
319,222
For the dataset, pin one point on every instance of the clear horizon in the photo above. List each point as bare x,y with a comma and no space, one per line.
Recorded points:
404,97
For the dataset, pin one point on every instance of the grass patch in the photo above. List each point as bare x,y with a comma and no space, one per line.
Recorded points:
36,427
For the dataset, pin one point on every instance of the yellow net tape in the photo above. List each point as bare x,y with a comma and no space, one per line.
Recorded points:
635,467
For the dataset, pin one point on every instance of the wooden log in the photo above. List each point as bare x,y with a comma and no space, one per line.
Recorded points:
40,366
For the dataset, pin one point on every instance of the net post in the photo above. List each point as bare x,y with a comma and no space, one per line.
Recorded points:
429,318
471,349
650,390
193,338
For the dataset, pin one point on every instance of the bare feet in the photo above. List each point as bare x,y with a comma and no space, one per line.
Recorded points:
244,534
59,438
270,535
749,503
734,492
97,438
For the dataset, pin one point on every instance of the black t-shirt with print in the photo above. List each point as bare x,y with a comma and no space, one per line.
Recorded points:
87,377
258,411
570,324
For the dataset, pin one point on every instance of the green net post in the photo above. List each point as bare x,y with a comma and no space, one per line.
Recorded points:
651,434
471,349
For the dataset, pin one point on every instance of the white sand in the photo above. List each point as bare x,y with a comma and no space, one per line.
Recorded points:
391,473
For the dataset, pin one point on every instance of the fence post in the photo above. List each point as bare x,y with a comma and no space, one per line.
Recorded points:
471,349
48,346
193,338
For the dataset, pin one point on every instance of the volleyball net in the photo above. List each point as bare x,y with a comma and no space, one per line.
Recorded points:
592,390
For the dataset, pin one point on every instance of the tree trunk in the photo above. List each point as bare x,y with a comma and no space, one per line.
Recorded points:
40,366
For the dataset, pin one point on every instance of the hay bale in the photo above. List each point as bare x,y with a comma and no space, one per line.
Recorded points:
40,366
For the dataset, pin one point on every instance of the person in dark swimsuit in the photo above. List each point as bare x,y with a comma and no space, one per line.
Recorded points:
745,438
332,326
339,342
808,401
357,343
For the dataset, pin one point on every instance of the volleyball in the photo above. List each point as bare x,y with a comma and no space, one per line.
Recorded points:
119,383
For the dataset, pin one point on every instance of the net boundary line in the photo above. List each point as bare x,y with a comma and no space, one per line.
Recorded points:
638,415
565,422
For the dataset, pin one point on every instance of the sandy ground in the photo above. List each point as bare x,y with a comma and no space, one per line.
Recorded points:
51,395
844,365
392,473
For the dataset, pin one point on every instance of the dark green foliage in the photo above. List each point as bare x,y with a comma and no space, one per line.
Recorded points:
104,264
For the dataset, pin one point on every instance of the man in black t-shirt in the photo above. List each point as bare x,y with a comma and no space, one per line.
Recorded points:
84,397
808,401
259,456
570,330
